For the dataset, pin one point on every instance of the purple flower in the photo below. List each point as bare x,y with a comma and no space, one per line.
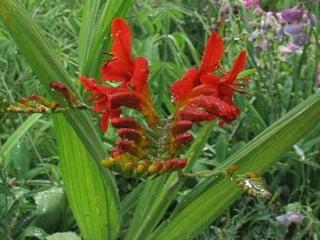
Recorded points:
301,39
252,4
290,48
313,20
291,15
286,219
293,28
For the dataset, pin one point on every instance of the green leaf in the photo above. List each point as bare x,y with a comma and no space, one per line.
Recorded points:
15,137
50,206
86,189
63,236
257,156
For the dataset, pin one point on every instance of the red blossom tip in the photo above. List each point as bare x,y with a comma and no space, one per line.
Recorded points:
212,53
122,43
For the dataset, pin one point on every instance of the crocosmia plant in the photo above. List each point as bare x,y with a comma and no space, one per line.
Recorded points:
203,94
158,148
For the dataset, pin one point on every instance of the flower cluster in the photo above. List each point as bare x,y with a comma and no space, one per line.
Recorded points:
203,94
289,26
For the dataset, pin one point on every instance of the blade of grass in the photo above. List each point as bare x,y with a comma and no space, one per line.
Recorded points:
257,156
15,137
88,23
84,186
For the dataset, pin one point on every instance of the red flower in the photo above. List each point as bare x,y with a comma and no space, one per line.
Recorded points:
132,74
123,67
209,84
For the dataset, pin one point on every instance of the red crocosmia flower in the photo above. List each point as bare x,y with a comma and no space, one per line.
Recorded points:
205,82
123,67
206,93
210,61
132,74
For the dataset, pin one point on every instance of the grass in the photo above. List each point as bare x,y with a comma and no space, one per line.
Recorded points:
171,35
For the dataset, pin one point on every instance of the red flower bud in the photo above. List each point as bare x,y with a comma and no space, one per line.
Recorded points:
154,167
24,101
124,123
60,87
36,98
184,138
181,163
181,126
126,99
130,134
126,146
195,114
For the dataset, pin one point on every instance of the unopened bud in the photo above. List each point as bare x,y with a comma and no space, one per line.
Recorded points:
184,138
126,99
181,126
124,123
108,162
130,134
154,167
195,115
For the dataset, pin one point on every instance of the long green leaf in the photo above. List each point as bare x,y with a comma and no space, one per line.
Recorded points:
44,63
257,156
15,137
84,186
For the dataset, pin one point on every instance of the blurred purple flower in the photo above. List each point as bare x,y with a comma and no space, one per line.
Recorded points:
286,219
252,4
293,28
290,48
301,39
291,15
313,20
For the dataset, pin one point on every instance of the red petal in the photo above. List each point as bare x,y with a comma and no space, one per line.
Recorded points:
237,67
140,74
104,121
183,87
212,53
210,80
122,35
117,70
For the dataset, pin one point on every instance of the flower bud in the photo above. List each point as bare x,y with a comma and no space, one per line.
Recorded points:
181,126
108,162
130,134
125,99
154,168
195,114
124,123
184,138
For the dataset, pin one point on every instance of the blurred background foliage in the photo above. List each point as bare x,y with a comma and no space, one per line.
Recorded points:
171,34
